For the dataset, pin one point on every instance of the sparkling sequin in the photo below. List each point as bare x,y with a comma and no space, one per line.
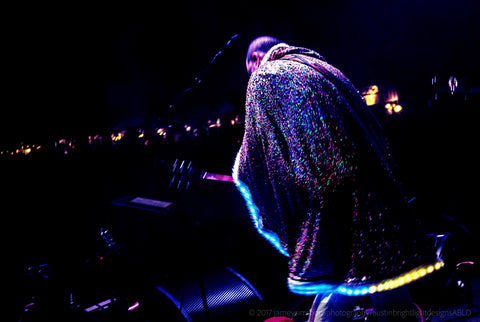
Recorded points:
317,174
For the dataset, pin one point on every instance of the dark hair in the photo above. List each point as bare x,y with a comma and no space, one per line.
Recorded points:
262,44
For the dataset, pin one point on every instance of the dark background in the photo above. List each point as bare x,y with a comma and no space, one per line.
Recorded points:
75,69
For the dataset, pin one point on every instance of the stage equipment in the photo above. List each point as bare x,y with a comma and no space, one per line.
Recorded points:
207,297
143,203
184,175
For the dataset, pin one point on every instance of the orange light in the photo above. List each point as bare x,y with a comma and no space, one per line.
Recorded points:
389,108
392,107
371,95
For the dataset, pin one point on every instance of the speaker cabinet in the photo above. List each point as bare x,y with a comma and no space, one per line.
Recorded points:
211,296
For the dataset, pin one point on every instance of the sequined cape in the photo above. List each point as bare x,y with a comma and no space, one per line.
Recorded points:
316,173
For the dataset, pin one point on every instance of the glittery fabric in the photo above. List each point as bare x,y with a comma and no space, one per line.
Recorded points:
317,175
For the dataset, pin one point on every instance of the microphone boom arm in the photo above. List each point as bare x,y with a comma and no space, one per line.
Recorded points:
196,81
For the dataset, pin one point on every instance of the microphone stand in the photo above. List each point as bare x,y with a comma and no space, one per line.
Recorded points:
196,82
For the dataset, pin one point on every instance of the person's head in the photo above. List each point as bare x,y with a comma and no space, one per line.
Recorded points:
257,50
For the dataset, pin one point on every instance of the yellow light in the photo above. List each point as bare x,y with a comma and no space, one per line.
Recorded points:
400,280
397,108
141,135
371,99
388,106
117,137
387,286
408,278
371,95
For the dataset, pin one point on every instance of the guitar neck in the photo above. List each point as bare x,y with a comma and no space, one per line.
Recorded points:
215,177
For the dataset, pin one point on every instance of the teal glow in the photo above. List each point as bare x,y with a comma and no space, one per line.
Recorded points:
255,214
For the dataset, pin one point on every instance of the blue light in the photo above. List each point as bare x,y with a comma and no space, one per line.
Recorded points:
309,288
313,288
255,214
352,291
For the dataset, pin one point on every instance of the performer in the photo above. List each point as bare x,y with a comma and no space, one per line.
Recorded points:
317,175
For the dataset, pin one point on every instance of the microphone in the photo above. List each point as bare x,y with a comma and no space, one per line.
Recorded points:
231,39
216,56
225,46
197,80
